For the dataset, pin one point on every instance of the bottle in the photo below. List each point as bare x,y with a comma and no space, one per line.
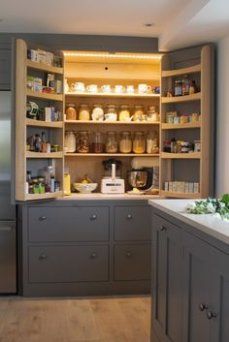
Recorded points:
43,143
28,181
67,182
52,184
37,143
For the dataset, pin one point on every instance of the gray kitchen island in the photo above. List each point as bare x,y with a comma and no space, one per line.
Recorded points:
190,280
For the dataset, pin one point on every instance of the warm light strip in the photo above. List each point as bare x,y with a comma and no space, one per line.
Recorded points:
111,55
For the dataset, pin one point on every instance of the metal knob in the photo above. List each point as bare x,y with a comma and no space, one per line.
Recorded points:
203,307
93,255
129,217
42,218
128,254
211,315
163,228
93,217
43,256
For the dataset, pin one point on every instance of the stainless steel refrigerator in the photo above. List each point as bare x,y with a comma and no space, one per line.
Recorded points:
7,210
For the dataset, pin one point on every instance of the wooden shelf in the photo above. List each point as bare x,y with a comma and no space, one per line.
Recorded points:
125,95
177,99
30,197
44,67
44,96
133,123
177,72
110,155
192,155
180,126
39,123
174,194
40,155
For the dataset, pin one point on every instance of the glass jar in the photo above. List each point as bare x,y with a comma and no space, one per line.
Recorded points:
125,144
70,112
138,114
84,113
152,115
124,113
178,88
82,142
152,143
97,113
97,143
139,143
111,113
70,142
111,143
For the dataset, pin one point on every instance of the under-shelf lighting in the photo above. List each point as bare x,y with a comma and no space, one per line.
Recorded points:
113,55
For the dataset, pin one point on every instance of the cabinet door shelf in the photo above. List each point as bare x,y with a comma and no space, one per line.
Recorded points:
193,155
48,124
111,155
44,67
180,99
183,71
165,126
173,194
40,155
44,96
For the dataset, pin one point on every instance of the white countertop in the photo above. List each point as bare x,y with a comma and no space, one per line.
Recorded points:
208,224
99,196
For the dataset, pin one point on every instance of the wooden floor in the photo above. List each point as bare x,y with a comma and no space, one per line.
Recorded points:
113,319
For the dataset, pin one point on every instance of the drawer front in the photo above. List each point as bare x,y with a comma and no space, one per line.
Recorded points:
132,262
64,264
47,224
132,223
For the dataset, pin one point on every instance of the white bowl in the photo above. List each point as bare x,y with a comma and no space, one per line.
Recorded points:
85,188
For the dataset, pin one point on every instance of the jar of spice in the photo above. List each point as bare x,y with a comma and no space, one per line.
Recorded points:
125,144
138,114
97,144
139,143
111,143
82,142
71,112
84,113
124,113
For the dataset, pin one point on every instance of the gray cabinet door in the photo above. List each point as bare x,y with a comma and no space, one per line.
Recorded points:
167,280
132,262
53,264
66,224
5,67
132,223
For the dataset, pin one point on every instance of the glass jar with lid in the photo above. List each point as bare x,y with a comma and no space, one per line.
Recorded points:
124,113
97,113
139,143
111,113
152,114
152,142
82,142
84,112
111,143
125,143
71,111
97,143
138,114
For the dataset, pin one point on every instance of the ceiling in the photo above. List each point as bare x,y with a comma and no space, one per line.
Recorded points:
177,23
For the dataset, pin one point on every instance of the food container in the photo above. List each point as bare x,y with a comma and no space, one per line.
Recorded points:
197,146
152,115
82,142
111,113
70,142
124,113
111,143
97,113
152,143
138,114
71,111
125,144
97,143
84,113
139,143
184,119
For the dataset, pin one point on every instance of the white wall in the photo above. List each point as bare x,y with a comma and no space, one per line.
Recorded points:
222,139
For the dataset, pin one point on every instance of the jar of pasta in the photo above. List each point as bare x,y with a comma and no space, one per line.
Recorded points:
125,144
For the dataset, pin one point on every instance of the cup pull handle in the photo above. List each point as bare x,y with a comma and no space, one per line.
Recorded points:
93,217
42,218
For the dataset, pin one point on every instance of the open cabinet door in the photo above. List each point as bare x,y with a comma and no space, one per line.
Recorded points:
38,123
187,112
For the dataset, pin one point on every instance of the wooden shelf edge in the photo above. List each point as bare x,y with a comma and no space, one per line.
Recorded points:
44,67
40,123
111,122
174,194
40,155
193,155
165,126
177,99
45,96
85,94
176,72
110,155
30,197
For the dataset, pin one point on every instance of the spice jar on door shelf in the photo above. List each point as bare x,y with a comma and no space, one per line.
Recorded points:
139,143
125,143
82,142
71,111
111,143
97,143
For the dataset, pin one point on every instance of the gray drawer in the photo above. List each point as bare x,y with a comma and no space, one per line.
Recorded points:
47,224
132,262
132,223
68,264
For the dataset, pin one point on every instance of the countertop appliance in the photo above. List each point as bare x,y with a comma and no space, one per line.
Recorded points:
112,184
7,210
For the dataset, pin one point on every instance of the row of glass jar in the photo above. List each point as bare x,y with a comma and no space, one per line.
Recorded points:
111,143
111,113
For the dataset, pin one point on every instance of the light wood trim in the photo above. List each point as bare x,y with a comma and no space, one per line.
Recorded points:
39,123
179,194
165,126
37,155
30,197
45,96
131,123
110,155
85,94
44,67
193,155
177,72
185,98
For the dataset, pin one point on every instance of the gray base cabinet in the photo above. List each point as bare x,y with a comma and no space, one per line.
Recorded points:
190,286
85,248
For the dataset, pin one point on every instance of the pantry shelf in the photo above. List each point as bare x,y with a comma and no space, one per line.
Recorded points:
40,155
174,194
30,197
192,155
44,67
180,126
183,71
45,96
39,123
125,95
131,123
180,99
111,155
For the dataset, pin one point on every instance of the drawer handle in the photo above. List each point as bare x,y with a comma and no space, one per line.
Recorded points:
163,228
129,217
93,255
128,254
93,217
43,256
211,315
42,218
202,307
